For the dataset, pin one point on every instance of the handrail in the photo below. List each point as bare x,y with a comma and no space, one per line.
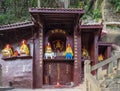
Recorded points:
93,82
105,62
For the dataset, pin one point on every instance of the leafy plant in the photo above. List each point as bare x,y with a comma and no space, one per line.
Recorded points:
116,4
96,14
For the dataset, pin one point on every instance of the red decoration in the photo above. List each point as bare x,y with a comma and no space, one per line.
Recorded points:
58,85
16,53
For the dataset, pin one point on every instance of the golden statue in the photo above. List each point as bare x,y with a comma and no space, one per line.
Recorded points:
58,45
48,51
7,51
85,53
69,53
100,57
48,48
24,50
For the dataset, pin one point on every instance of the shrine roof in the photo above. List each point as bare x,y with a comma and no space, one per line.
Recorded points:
16,25
57,17
56,10
95,26
104,44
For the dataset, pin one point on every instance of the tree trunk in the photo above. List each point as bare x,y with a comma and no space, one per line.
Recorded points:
66,3
39,3
96,4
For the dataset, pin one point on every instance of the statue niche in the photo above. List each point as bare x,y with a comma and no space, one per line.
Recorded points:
58,47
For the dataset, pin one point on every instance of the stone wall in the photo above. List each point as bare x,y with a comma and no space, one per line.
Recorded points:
113,35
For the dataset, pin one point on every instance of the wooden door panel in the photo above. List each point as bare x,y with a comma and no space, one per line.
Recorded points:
58,72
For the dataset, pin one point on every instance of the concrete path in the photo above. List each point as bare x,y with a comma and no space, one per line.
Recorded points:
81,87
72,89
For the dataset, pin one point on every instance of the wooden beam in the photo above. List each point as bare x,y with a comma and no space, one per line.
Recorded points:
58,15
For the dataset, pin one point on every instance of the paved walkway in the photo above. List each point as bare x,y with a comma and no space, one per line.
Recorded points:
78,88
46,89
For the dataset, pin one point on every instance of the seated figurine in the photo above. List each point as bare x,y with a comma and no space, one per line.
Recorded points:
48,51
7,51
100,57
16,53
69,53
24,50
85,54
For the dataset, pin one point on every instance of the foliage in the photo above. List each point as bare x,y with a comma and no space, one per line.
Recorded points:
116,4
96,14
17,10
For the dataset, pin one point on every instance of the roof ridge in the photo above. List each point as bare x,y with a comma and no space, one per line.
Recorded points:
56,8
16,24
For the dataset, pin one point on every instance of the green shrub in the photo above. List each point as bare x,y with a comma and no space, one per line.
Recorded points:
96,14
116,4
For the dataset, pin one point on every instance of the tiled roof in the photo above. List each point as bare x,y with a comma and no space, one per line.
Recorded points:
16,25
57,10
91,26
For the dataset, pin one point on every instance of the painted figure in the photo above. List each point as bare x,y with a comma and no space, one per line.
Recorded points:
69,53
7,51
16,53
85,54
48,51
100,57
24,50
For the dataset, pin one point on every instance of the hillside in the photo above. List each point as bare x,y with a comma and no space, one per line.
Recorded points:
12,11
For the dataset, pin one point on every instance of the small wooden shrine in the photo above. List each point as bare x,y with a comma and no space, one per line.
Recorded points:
55,28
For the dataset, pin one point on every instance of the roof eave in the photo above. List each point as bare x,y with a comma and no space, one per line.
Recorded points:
17,25
56,10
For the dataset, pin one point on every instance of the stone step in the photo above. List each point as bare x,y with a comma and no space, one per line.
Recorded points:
5,88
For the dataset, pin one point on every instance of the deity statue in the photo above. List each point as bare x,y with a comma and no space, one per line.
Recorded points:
48,51
7,51
48,48
58,45
24,50
85,54
100,57
69,53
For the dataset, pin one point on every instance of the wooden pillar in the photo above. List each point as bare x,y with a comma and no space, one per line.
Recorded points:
77,57
95,48
118,64
108,51
0,75
41,58
38,60
95,53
